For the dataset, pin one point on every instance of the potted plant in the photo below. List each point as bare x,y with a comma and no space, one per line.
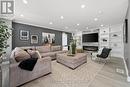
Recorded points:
4,35
73,46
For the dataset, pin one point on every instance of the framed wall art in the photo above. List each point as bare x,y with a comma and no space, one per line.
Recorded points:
34,39
48,38
24,35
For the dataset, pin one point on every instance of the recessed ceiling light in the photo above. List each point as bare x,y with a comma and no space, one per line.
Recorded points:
86,27
99,12
76,30
66,27
83,6
95,19
101,25
62,17
25,1
22,15
50,23
77,24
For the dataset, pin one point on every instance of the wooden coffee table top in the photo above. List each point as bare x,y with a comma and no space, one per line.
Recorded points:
77,55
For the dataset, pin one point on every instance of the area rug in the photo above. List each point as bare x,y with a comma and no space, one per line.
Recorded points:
63,76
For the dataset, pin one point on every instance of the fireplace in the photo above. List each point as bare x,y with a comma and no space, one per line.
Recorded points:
90,48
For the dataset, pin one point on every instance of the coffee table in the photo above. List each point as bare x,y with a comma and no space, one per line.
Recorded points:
72,61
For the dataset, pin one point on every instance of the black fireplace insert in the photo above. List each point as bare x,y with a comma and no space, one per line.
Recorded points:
90,48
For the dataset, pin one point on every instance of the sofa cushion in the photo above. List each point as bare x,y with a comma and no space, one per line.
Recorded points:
32,53
18,49
55,48
59,52
38,54
21,55
43,49
28,48
51,54
12,56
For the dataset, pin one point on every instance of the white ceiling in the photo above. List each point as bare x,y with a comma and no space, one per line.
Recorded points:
42,12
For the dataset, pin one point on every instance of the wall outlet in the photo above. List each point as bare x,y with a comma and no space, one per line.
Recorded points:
121,71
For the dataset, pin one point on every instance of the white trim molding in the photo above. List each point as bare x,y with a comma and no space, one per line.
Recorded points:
128,78
127,73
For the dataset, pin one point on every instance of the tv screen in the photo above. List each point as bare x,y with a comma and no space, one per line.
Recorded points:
90,37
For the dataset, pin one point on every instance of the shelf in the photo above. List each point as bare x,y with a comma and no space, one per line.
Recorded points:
103,43
115,41
102,34
104,37
116,31
116,37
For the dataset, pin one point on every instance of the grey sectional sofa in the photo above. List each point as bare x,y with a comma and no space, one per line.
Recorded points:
43,66
19,76
45,51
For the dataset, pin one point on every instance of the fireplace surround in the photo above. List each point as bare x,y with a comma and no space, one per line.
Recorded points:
90,48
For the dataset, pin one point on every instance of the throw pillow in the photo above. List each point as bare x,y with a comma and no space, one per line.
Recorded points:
28,64
32,53
21,55
38,54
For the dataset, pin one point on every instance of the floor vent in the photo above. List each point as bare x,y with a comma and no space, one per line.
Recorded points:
121,71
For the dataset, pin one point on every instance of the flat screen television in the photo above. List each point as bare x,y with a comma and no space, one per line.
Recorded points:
90,37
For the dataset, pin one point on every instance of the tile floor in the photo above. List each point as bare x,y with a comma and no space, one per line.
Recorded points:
105,77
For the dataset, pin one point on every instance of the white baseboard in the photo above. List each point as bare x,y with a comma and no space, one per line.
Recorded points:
127,72
128,78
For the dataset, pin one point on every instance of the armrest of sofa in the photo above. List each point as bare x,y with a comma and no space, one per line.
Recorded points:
19,76
38,54
45,59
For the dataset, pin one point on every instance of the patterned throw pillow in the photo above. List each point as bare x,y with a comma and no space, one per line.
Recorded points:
32,53
20,55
